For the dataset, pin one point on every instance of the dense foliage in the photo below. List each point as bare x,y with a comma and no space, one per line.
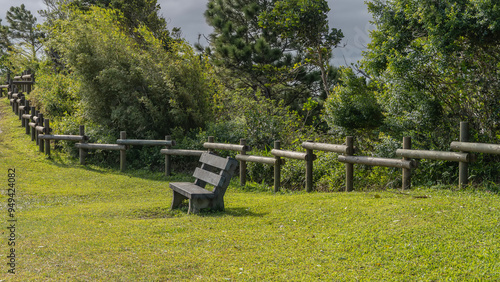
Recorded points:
265,75
436,63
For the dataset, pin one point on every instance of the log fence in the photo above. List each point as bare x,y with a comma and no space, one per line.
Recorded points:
39,128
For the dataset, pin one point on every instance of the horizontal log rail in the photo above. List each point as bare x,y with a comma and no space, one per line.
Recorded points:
433,155
341,149
141,142
40,129
257,159
386,162
181,152
23,82
476,147
96,146
224,146
291,155
63,137
27,76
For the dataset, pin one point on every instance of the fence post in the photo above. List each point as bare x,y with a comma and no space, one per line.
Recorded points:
47,132
309,169
123,153
211,139
26,110
463,166
406,172
243,165
83,152
168,168
19,112
277,168
27,121
34,113
349,168
39,141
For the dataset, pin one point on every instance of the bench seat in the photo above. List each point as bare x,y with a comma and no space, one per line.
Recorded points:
190,190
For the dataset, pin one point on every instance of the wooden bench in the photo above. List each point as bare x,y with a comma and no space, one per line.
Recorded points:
214,170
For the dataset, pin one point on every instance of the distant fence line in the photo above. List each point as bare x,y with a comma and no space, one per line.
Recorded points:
39,128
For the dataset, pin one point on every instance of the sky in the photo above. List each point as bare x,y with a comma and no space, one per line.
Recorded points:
351,16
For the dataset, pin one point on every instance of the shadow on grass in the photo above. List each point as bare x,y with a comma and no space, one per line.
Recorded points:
233,212
166,212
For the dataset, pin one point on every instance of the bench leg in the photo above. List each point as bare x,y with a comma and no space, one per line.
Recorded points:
177,200
218,204
196,204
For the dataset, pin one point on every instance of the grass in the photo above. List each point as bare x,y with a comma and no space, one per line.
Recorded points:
86,223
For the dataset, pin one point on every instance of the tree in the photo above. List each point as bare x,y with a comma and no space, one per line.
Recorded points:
437,63
256,57
352,104
5,43
136,13
305,22
23,31
123,84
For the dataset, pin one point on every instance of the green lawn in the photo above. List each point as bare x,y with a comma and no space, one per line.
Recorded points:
85,223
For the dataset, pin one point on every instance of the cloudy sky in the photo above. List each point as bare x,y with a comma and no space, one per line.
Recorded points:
351,16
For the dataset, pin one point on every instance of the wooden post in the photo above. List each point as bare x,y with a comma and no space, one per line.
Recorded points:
34,113
463,166
20,113
168,168
123,153
38,140
26,110
47,141
349,168
406,172
243,165
83,152
309,169
277,168
211,139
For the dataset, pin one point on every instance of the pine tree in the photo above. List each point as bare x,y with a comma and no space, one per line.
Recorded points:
255,57
23,31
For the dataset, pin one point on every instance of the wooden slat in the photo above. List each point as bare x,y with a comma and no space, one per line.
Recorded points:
216,161
189,190
208,177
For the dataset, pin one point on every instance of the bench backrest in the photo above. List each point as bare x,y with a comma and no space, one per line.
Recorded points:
216,171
